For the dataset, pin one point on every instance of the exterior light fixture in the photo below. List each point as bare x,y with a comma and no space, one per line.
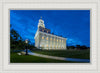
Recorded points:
26,41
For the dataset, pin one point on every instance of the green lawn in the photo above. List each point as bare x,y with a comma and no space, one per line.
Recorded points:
14,58
82,54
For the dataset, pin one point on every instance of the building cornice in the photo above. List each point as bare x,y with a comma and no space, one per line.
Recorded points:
52,35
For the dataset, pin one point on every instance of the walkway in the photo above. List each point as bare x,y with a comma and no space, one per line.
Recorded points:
58,58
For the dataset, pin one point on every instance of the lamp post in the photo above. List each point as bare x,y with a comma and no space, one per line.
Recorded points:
26,41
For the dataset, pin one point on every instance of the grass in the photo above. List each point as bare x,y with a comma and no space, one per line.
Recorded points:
82,54
15,58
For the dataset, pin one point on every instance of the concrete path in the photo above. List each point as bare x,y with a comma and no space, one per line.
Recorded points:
47,56
58,58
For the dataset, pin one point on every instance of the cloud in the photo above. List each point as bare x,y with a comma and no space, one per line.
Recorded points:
72,24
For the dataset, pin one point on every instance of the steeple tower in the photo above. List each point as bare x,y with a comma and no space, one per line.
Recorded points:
41,17
41,23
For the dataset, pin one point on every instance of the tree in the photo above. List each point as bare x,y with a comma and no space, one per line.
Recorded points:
15,40
17,43
14,34
71,47
83,47
78,47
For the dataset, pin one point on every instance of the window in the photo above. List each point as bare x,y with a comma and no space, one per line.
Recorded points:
42,45
57,46
50,42
54,46
42,37
47,45
43,30
51,39
47,38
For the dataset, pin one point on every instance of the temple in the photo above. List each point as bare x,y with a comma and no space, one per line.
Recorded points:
45,40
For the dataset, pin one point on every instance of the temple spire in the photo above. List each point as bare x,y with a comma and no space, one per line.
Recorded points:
41,17
41,23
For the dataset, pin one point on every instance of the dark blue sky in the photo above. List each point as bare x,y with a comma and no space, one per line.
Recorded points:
72,24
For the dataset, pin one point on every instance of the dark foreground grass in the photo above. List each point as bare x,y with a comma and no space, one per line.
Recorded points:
81,54
15,58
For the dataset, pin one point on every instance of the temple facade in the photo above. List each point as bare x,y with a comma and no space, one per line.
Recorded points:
45,40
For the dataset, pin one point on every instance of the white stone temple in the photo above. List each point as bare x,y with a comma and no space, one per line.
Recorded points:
45,40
